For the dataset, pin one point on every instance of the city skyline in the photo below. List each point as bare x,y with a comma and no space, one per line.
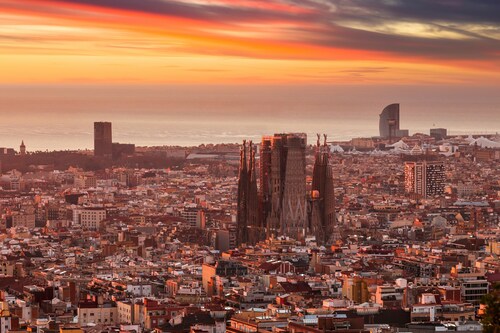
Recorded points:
285,166
169,115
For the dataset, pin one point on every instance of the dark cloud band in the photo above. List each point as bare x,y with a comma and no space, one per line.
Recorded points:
323,22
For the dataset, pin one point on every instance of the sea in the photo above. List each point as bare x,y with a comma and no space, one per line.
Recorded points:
60,117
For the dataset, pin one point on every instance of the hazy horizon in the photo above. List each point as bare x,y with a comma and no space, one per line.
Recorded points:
56,117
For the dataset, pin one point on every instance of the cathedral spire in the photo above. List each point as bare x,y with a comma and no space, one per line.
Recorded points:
322,212
22,148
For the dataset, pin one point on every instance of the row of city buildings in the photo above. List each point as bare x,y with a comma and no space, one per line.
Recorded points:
282,236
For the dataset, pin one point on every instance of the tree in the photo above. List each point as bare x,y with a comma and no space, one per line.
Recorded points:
491,317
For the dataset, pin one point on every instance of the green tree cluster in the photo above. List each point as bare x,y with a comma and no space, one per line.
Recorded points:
491,317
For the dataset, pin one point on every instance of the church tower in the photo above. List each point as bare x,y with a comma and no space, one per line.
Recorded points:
322,200
22,148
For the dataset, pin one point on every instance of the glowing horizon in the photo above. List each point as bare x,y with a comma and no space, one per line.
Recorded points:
249,41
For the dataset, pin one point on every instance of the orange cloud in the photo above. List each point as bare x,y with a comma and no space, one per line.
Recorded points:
279,42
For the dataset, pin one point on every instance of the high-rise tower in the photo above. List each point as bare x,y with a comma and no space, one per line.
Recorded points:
103,141
322,204
249,227
389,121
424,176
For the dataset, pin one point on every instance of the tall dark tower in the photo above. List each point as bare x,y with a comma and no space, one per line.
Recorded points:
103,140
249,226
283,185
389,121
265,191
275,175
257,230
322,204
294,201
22,148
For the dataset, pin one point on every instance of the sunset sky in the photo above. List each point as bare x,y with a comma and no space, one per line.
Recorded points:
251,41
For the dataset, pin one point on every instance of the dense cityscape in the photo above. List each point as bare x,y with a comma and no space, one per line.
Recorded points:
292,234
